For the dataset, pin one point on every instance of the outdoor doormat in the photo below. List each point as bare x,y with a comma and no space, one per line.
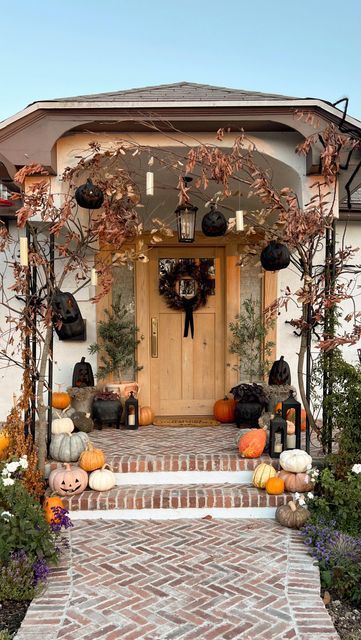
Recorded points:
185,421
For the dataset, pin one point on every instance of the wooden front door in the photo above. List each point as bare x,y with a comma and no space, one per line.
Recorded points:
187,375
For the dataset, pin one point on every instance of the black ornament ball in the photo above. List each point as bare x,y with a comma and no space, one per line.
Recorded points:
214,223
275,256
89,196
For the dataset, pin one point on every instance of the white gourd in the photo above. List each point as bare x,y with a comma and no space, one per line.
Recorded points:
62,425
295,460
102,479
67,447
262,473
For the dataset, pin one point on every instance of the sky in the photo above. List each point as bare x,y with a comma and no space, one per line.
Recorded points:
305,48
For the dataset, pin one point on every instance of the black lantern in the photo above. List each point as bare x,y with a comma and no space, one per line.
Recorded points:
131,412
186,222
278,436
291,410
275,256
214,223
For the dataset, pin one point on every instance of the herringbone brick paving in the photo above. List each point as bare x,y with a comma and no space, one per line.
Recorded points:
181,580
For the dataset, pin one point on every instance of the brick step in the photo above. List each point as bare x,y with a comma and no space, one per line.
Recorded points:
125,464
170,501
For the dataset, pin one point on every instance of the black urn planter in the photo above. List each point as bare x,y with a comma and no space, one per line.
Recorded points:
106,412
247,413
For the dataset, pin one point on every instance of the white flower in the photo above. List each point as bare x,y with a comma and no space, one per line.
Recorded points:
8,482
7,514
5,472
297,495
313,474
356,468
310,495
12,466
301,501
23,462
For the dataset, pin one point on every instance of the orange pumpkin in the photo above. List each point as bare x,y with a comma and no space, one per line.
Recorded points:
60,400
290,413
50,503
252,444
146,416
275,486
223,410
4,444
92,458
303,419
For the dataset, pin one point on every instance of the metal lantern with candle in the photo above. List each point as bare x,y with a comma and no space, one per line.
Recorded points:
131,412
278,436
291,410
186,218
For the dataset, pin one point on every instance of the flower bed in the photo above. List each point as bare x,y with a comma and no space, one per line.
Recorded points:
30,542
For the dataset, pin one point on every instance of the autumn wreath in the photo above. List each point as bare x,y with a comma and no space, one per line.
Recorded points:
186,287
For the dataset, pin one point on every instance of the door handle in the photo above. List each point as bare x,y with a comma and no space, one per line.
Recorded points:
154,338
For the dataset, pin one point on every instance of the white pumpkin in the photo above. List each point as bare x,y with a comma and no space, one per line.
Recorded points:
62,425
67,447
102,479
295,460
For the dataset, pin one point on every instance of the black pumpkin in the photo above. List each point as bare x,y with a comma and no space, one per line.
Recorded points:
89,196
214,223
275,256
83,374
280,373
67,319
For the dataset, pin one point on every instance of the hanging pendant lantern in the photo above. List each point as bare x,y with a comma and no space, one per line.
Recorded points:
89,196
275,256
186,218
214,223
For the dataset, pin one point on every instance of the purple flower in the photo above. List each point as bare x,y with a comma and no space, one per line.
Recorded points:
61,519
41,571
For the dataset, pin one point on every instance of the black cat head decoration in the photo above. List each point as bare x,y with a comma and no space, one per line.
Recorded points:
280,373
89,196
275,256
67,319
214,223
83,374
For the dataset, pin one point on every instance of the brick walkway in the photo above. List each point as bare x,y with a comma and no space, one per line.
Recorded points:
181,580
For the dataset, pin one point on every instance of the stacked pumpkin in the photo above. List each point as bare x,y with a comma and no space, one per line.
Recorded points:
66,447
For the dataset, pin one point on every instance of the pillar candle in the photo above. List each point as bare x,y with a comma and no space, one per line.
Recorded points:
239,221
291,441
131,419
150,183
24,257
94,277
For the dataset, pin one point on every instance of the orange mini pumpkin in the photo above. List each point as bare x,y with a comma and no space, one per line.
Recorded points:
60,400
146,416
223,410
252,444
50,503
275,486
92,458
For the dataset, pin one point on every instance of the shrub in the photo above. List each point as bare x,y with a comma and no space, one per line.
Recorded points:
338,555
21,578
338,500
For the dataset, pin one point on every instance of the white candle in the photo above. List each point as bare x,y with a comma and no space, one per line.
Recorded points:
94,277
278,448
24,256
149,188
239,220
291,441
131,420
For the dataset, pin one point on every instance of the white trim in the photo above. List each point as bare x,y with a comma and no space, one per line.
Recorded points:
51,105
150,478
175,514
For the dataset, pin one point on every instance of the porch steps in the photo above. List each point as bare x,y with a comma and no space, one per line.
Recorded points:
163,502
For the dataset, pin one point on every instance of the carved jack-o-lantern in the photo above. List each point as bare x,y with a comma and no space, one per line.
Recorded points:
83,374
68,481
275,256
89,196
214,223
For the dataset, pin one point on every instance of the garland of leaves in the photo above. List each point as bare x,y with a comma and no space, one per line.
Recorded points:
168,288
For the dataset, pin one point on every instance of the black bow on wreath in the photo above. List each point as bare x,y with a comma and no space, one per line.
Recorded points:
168,288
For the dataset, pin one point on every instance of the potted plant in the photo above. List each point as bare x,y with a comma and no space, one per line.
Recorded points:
251,401
117,342
106,409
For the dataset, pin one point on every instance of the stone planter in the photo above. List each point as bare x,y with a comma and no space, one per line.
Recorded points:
106,413
82,398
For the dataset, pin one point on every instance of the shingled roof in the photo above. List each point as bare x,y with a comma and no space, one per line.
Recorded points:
177,92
